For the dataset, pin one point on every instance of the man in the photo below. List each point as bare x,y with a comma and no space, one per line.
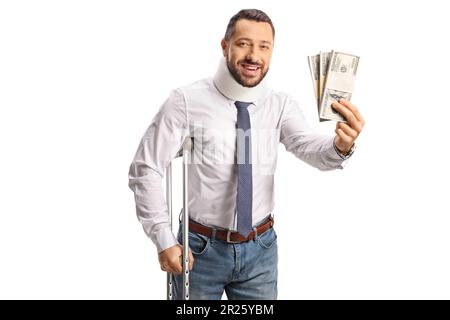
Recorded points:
236,123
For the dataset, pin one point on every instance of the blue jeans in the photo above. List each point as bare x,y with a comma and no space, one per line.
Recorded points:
245,270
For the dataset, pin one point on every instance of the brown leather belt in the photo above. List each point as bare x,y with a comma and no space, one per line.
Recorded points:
228,235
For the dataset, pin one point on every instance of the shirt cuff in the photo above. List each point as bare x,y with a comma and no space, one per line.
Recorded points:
164,239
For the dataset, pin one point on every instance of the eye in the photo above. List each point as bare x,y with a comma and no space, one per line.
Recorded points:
265,47
243,44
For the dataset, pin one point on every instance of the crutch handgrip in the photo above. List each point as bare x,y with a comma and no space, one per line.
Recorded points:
187,145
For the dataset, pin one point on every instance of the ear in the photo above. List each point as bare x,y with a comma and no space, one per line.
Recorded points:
224,46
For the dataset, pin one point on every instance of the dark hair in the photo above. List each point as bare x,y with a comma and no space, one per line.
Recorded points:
249,14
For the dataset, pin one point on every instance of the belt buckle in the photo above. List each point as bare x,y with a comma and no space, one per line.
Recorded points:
228,237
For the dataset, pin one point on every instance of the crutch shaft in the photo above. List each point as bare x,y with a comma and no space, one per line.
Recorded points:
187,146
169,210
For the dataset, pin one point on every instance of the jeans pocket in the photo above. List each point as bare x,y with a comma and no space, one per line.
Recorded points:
268,239
198,243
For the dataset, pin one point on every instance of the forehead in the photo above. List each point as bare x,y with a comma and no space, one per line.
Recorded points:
258,31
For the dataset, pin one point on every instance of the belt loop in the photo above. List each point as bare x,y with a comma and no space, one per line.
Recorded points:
213,235
255,234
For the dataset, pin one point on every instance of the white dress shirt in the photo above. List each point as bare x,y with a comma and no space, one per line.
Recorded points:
202,111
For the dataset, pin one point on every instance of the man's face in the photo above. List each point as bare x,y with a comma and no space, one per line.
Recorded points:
249,51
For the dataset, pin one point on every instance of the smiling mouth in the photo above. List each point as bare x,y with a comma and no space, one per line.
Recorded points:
250,70
250,67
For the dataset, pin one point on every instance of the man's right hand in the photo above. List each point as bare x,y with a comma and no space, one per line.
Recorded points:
171,258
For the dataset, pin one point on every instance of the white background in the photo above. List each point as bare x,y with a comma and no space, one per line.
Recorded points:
80,82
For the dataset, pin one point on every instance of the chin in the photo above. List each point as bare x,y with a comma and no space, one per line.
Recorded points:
251,83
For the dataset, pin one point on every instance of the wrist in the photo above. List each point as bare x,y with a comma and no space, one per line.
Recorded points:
344,154
343,151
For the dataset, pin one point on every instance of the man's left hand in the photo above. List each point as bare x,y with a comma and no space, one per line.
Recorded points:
346,133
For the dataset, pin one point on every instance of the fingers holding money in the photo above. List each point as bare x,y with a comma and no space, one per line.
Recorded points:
354,109
347,132
346,137
351,114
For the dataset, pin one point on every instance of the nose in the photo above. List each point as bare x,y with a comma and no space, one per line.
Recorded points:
252,55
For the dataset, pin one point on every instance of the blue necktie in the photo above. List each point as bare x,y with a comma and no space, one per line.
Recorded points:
244,170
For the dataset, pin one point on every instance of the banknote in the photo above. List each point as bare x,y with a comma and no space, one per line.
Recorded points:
324,58
339,83
313,62
337,73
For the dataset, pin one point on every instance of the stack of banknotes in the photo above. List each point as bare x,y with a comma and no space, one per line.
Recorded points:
333,75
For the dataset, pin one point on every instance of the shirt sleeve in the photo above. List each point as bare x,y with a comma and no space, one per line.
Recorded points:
158,147
305,143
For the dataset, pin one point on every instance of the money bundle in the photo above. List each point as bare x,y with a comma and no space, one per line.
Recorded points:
333,75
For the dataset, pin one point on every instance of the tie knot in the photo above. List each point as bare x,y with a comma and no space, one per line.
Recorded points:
240,104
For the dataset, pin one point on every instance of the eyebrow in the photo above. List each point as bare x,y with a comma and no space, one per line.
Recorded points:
248,39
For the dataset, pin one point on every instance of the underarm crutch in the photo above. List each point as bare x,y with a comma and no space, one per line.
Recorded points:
185,152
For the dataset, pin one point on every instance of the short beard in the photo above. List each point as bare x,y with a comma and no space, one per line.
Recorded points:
240,80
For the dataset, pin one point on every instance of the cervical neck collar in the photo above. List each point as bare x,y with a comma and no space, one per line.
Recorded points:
230,88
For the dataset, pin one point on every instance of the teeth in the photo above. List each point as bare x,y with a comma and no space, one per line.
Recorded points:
250,67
